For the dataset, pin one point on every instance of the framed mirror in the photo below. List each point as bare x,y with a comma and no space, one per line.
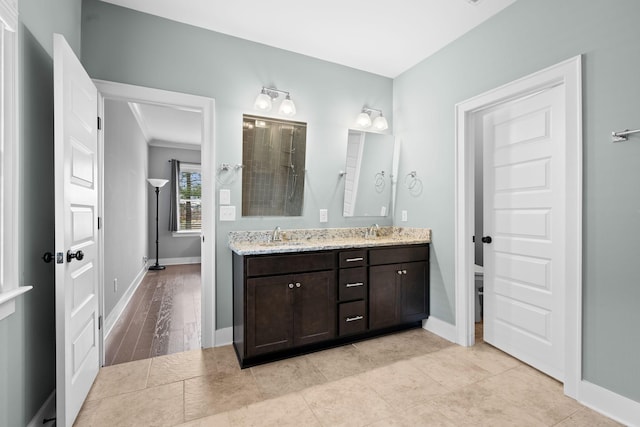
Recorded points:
273,155
368,183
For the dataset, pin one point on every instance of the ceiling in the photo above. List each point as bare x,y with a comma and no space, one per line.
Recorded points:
379,36
168,126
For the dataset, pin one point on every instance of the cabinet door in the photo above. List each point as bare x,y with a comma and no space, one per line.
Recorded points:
269,314
384,295
315,307
414,298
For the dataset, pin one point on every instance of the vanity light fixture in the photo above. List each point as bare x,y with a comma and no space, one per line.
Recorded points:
268,95
364,119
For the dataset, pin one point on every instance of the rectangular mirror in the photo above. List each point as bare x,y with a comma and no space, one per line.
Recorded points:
273,155
367,187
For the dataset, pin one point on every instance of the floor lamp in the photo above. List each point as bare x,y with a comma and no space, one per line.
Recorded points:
157,183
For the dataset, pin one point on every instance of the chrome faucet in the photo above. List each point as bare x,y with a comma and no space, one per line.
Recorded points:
372,232
277,235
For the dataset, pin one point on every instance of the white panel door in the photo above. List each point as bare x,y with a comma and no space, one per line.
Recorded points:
76,231
524,211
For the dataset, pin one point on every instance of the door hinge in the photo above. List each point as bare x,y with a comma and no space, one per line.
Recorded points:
99,223
99,123
99,322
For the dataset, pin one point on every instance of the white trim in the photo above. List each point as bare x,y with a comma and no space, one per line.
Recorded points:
118,309
131,93
7,303
46,411
441,328
178,261
606,402
9,160
568,75
224,336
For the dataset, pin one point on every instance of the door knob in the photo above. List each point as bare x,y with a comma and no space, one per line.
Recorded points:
77,255
486,239
48,257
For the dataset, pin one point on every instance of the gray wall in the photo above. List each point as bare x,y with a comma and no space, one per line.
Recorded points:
125,201
169,246
27,338
526,37
122,45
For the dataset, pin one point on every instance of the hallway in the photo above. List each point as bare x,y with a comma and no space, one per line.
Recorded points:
162,317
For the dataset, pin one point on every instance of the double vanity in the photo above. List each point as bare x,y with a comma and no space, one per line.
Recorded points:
302,290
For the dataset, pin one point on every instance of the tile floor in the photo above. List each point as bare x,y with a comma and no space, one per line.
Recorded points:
412,378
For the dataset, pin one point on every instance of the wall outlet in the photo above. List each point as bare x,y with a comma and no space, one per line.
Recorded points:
227,213
324,215
145,259
115,285
404,215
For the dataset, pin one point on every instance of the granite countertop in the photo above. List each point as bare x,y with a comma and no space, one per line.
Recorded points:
303,240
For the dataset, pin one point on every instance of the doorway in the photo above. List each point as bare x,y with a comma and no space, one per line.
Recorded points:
141,97
567,77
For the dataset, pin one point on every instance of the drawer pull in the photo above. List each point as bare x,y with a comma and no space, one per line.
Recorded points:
353,319
354,259
353,285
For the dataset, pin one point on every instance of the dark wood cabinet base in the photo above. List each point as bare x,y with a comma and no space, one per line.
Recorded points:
248,362
291,304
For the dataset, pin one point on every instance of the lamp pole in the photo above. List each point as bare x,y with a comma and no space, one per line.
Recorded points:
157,183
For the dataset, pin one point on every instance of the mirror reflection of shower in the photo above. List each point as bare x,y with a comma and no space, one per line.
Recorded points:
274,158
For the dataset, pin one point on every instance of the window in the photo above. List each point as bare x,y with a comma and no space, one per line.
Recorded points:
9,288
189,199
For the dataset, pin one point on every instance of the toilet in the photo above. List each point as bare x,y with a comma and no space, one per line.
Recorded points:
479,277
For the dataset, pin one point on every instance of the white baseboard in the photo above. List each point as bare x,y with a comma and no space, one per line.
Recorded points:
440,328
177,261
223,337
606,402
112,318
46,411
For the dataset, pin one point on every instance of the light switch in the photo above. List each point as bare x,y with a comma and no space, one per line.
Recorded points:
404,215
324,215
225,197
227,213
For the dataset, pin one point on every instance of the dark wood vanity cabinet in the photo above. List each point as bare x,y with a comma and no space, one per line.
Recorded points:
398,291
284,303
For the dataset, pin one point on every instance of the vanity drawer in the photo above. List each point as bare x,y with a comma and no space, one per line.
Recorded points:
352,283
398,255
356,258
287,264
352,318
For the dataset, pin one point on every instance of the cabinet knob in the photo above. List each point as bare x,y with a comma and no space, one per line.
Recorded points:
290,285
404,271
298,284
399,271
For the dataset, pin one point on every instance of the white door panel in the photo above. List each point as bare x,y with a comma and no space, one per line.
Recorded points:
524,203
75,120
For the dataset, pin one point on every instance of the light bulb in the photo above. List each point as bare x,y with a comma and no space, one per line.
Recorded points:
380,123
287,108
363,120
263,102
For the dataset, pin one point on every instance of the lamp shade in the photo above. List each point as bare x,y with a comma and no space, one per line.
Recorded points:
263,102
287,107
380,123
157,182
363,120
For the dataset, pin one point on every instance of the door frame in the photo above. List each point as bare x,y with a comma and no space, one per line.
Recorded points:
567,74
131,93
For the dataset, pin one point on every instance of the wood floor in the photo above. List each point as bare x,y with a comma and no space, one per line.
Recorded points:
163,317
